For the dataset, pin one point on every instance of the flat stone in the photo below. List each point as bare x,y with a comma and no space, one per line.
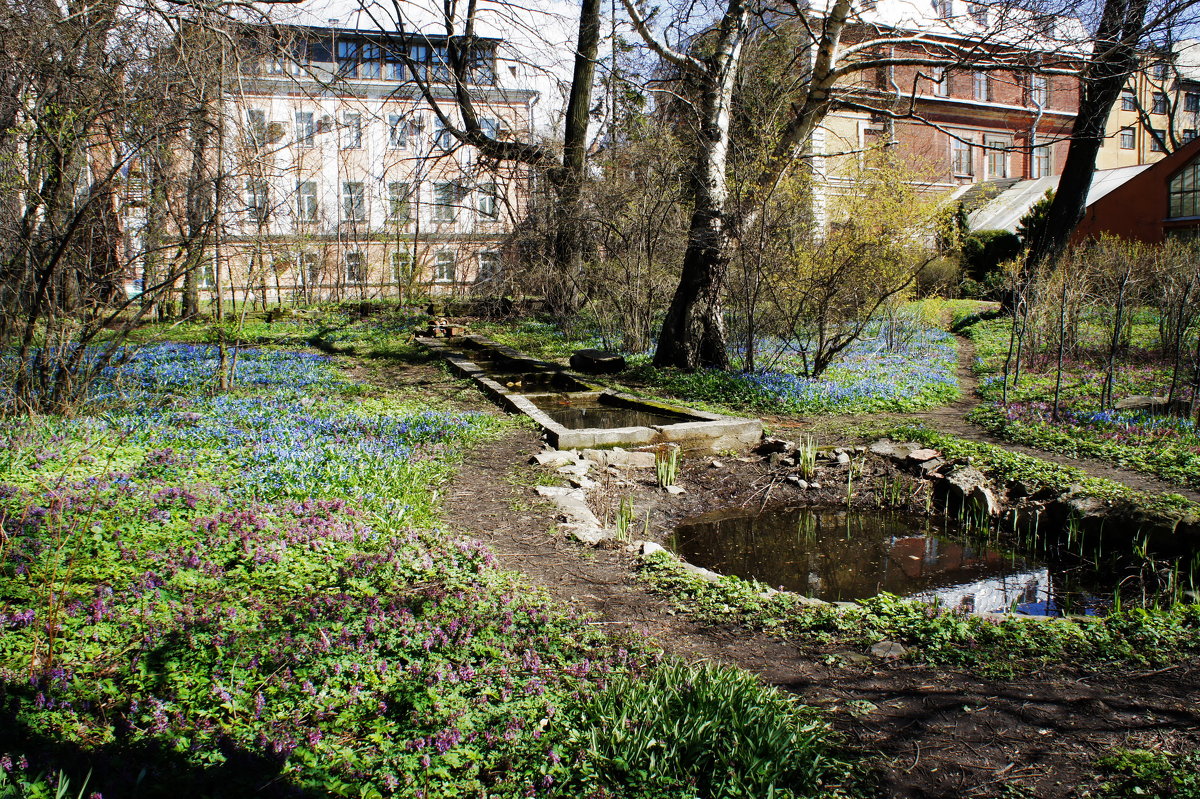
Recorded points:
815,486
887,448
620,459
929,467
922,455
771,444
1085,507
589,534
675,490
650,548
797,481
578,468
843,459
703,574
571,503
597,362
854,658
888,650
1140,403
982,500
583,481
715,464
553,457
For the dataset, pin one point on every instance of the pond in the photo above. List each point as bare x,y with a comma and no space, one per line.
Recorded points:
836,555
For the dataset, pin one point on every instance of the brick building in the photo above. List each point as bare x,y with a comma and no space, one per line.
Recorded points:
1008,118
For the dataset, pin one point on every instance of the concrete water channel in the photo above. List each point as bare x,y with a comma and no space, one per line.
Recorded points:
575,414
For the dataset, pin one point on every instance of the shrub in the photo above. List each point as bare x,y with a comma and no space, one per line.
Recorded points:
984,250
713,730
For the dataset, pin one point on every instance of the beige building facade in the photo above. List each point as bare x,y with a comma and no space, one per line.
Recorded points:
343,183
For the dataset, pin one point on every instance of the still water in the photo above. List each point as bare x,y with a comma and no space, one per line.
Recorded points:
837,555
579,414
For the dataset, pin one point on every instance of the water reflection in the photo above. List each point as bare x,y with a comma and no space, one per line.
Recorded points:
579,414
836,555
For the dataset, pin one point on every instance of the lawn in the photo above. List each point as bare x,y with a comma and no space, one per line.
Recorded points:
226,594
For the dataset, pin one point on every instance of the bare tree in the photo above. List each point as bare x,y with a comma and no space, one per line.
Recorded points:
1125,28
839,51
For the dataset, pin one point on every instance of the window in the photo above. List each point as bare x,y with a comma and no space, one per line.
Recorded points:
442,137
419,55
310,267
1127,139
1158,140
1128,101
354,202
440,64
397,132
1183,192
445,199
1191,102
488,201
1040,163
979,14
369,66
319,51
941,82
443,267
982,86
1161,70
393,65
306,129
352,140
483,66
402,267
1039,91
347,59
490,127
962,155
489,266
997,157
256,127
1189,134
356,267
397,207
306,201
1159,103
942,8
258,200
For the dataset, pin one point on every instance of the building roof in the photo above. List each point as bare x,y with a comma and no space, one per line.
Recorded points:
1005,209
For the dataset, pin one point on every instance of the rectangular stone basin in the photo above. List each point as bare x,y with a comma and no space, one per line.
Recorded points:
574,414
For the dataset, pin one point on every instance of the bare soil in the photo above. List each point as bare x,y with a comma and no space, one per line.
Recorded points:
936,732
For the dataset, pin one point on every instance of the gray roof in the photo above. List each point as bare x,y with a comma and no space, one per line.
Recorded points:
1004,211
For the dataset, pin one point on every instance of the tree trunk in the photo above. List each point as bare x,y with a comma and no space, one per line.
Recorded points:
568,222
693,332
1114,59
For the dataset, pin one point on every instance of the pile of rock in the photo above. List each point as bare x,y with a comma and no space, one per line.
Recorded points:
576,517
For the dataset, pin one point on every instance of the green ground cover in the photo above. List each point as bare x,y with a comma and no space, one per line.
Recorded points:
248,593
1165,446
889,370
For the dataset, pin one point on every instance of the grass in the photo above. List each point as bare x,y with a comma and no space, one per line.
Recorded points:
210,594
1163,446
911,370
994,647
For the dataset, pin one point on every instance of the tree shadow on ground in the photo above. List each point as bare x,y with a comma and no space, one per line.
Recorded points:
143,770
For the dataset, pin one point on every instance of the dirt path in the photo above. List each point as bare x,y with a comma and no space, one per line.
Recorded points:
940,733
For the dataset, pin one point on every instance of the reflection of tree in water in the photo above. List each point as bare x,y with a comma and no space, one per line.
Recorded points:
838,555
835,555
